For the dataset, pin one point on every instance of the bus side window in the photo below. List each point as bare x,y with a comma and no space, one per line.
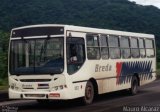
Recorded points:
134,48
75,54
125,47
104,47
149,48
93,49
114,50
142,48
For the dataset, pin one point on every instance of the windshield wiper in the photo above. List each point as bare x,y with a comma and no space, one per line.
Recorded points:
43,49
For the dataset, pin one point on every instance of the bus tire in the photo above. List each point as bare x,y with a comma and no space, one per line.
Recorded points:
89,93
134,86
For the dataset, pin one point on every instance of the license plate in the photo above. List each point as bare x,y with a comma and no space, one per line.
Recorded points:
35,95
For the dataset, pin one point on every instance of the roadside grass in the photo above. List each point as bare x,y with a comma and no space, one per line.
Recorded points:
3,88
3,84
158,73
158,70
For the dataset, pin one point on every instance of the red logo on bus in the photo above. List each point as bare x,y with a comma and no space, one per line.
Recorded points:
119,68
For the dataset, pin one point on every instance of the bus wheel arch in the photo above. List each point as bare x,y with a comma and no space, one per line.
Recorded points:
135,83
138,78
91,90
95,85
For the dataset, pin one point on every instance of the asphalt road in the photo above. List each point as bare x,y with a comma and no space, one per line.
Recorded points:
147,100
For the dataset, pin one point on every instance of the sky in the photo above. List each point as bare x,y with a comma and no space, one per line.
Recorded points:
148,2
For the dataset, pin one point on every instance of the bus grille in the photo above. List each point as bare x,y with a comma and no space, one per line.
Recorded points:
35,80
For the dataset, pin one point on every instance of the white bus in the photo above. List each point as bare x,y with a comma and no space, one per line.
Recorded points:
63,62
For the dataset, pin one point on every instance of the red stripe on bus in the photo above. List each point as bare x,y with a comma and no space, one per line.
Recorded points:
119,68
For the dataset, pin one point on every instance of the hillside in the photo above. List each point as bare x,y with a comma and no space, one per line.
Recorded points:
112,14
109,14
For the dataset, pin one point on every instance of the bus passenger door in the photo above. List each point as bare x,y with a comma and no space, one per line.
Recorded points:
75,54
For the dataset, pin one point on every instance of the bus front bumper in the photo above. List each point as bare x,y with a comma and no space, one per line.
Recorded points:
57,95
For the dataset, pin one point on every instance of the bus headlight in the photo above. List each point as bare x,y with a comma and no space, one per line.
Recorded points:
55,88
61,86
14,86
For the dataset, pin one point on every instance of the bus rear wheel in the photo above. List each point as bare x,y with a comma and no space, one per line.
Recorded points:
134,86
89,93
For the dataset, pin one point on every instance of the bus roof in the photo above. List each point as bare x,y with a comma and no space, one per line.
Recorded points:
90,30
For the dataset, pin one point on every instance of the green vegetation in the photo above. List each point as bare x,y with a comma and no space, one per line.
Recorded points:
4,39
4,88
3,84
109,14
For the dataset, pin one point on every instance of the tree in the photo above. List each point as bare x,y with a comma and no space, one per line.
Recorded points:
4,39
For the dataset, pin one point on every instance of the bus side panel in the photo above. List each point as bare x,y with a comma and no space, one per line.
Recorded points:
144,80
111,74
149,76
110,85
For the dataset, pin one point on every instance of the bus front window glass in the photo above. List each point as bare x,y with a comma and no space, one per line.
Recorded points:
37,56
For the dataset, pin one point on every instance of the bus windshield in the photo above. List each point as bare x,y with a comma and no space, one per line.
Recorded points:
37,56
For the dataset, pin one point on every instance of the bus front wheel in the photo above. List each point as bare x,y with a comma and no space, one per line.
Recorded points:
89,93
